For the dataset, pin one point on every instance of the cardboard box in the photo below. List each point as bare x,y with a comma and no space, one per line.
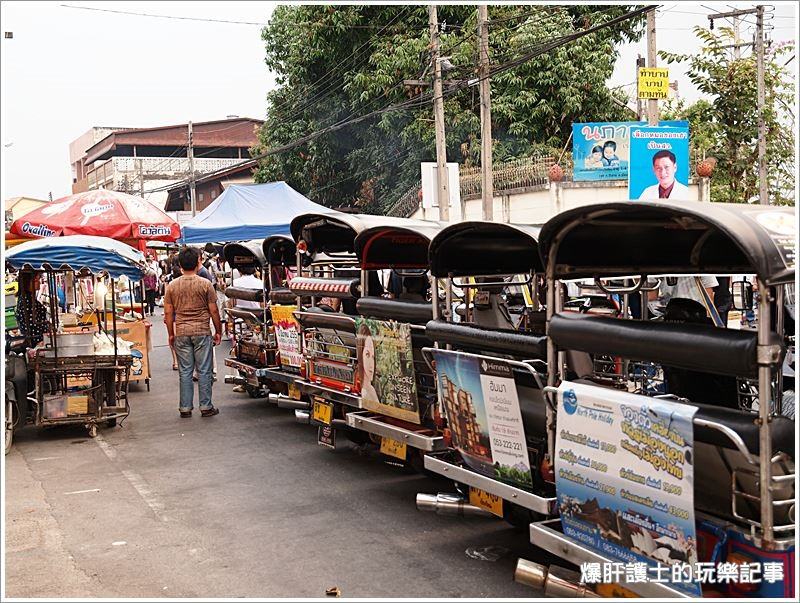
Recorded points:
77,405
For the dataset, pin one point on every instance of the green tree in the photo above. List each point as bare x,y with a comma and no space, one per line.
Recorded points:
725,125
335,63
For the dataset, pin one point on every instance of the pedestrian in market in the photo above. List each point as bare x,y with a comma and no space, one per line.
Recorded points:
190,302
150,289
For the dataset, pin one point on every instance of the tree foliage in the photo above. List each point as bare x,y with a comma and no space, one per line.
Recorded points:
726,125
336,63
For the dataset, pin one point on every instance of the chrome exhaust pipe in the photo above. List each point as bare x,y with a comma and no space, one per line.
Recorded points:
289,403
302,416
234,380
555,581
449,504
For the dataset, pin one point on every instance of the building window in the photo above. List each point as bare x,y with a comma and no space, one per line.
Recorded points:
201,197
213,194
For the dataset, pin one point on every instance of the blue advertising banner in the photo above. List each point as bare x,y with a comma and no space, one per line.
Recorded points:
601,151
659,165
625,479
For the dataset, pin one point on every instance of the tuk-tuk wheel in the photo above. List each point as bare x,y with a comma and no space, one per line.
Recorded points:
9,424
253,391
93,430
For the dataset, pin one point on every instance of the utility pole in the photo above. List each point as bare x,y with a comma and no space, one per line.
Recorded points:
190,155
487,183
652,103
737,39
639,105
438,113
763,193
758,11
141,179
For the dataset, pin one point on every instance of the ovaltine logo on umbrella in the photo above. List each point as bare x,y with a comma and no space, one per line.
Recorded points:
38,230
151,230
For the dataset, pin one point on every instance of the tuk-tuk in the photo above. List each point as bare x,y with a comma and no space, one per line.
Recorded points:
55,372
327,285
490,363
253,345
681,482
398,390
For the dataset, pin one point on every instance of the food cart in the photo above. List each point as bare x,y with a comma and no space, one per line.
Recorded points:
71,377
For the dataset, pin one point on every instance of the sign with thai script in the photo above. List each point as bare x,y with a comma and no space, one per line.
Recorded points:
625,476
386,369
601,151
659,166
287,336
653,82
479,396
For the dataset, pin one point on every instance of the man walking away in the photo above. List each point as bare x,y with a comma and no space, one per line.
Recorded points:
189,303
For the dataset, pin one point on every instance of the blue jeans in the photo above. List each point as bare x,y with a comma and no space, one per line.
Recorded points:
194,351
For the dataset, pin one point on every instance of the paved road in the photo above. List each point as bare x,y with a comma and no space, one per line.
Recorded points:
244,504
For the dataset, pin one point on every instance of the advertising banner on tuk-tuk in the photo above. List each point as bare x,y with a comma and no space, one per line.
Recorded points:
625,478
287,336
659,166
386,369
480,399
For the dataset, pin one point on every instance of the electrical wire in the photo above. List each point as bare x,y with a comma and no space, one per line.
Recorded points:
423,99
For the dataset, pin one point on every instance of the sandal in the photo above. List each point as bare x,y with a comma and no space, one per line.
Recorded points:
186,414
210,412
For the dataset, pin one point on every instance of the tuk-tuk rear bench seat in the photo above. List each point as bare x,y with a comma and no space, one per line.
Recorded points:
470,337
395,309
686,346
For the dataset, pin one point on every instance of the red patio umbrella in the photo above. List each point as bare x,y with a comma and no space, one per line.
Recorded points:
103,213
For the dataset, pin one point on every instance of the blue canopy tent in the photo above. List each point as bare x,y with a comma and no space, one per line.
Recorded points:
76,252
249,211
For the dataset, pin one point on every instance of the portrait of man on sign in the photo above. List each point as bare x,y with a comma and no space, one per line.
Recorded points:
665,168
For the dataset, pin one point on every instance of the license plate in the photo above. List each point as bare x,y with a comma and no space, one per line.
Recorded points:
326,436
294,392
485,500
322,411
393,448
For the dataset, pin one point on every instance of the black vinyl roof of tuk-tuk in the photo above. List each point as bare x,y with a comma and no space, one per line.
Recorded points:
335,232
485,248
396,244
654,237
329,232
273,240
242,249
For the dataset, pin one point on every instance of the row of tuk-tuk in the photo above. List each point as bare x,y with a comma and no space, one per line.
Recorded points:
619,432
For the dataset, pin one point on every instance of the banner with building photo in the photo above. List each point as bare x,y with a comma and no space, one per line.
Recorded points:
287,336
601,150
659,166
625,476
480,399
385,369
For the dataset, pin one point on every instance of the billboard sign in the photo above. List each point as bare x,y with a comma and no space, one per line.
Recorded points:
659,166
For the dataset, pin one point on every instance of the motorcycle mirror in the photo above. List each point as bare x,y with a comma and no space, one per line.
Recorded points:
742,295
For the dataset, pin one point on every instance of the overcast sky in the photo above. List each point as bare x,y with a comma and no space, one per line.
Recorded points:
66,70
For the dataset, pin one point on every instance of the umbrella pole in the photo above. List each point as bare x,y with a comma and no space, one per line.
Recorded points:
114,317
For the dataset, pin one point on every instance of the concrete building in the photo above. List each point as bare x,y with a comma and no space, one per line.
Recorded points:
208,187
139,160
19,206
